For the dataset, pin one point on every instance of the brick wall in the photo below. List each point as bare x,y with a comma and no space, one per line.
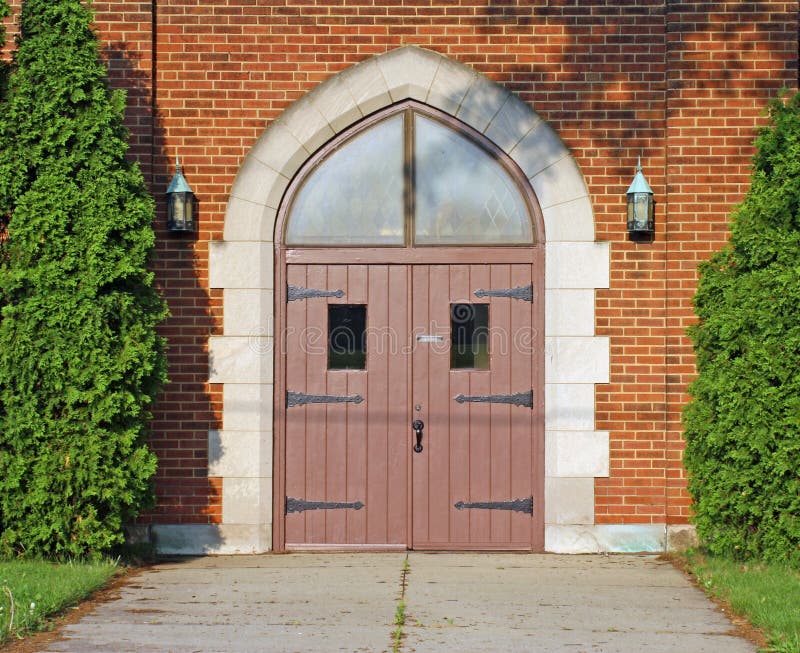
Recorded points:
681,84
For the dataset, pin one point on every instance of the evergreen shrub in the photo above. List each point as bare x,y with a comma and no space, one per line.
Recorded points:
742,424
80,359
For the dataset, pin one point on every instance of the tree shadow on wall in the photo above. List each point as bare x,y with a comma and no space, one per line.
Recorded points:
185,411
606,48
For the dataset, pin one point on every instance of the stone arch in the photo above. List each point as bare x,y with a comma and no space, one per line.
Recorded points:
409,73
242,265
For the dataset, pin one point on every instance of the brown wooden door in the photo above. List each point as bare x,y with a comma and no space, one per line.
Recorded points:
352,475
473,483
346,448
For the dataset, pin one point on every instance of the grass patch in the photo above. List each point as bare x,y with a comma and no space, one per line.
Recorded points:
32,590
767,595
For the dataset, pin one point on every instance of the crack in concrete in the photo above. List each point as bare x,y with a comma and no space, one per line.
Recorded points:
400,609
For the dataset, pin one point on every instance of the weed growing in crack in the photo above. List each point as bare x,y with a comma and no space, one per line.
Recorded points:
400,610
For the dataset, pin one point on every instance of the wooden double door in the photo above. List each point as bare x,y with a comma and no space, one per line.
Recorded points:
413,407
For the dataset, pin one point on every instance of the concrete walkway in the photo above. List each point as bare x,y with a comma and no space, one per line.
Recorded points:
309,603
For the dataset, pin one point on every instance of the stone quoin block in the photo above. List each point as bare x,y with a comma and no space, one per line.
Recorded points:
240,265
240,454
580,454
240,359
611,538
248,312
241,500
577,265
569,500
248,407
577,360
569,312
569,407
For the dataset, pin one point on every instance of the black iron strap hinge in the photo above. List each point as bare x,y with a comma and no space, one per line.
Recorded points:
525,293
296,293
301,505
517,505
301,399
524,399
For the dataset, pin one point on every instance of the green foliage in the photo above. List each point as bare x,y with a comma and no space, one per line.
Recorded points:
80,360
742,425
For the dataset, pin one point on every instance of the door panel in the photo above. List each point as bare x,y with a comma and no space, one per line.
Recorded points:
479,454
345,452
351,466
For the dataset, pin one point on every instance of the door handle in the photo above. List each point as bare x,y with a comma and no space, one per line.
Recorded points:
418,425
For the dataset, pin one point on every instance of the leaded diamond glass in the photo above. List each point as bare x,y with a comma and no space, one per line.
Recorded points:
462,195
355,196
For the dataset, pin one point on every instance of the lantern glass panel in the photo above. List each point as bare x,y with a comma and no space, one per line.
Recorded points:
188,211
178,208
180,211
640,208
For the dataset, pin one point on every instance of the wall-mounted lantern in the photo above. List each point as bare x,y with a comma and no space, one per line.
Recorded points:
180,203
641,205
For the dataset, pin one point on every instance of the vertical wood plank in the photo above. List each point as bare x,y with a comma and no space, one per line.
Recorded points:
336,428
420,488
437,428
459,423
480,422
316,414
501,413
295,417
377,409
357,432
392,340
521,360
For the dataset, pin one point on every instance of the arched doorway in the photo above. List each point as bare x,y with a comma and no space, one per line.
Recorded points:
411,298
247,268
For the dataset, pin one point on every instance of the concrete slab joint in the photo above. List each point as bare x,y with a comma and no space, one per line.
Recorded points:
242,265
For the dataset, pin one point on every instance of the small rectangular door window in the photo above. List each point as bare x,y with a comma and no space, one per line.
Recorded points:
469,328
347,337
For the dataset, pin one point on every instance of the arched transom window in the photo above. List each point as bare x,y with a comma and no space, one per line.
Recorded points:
410,177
